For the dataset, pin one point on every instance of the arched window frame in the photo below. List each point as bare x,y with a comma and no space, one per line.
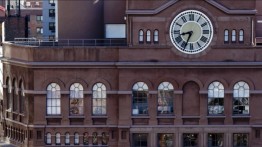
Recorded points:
14,95
234,36
67,138
76,99
8,94
226,36
48,138
148,36
156,36
76,139
241,96
94,138
165,98
57,138
241,36
21,96
99,99
53,106
104,138
140,98
85,138
216,98
141,36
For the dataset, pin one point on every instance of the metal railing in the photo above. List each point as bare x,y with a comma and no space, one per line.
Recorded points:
69,42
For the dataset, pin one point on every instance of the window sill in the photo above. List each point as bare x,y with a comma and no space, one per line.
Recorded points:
54,116
141,116
190,117
99,116
166,116
76,116
216,116
241,116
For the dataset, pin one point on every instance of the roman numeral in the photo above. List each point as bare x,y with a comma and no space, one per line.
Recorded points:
198,18
179,24
204,24
191,46
203,39
205,31
183,45
176,32
178,39
191,17
184,19
198,44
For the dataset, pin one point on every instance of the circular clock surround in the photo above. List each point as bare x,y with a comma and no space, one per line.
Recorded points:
191,32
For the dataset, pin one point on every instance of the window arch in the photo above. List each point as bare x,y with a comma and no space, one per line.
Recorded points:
53,99
156,36
148,36
99,99
226,36
48,138
140,94
241,98
67,138
57,138
215,98
165,98
85,138
21,96
8,93
94,139
104,138
141,36
241,35
14,94
76,138
234,34
76,99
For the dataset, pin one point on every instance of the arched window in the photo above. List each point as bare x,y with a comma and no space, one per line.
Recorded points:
99,99
8,94
94,139
234,35
139,94
241,98
57,138
48,138
165,98
53,99
141,36
226,36
148,36
67,138
156,36
76,99
76,139
14,95
215,98
241,36
21,96
104,138
85,138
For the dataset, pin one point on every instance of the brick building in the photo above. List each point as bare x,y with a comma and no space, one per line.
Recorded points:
160,74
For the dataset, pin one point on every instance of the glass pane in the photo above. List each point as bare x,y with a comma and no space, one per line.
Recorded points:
165,140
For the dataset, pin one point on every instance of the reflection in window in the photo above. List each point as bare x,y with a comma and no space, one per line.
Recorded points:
85,138
141,36
48,138
241,98
215,98
67,138
156,36
76,99
165,140
148,36
241,35
57,138
190,140
165,98
240,140
226,38
99,99
104,138
53,99
140,93
233,36
76,139
94,139
139,140
215,140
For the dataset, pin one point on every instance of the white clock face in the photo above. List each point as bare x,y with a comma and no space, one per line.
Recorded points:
191,31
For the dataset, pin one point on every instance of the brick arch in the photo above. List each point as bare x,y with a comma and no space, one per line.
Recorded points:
77,80
145,80
244,79
168,79
209,81
197,81
53,80
101,80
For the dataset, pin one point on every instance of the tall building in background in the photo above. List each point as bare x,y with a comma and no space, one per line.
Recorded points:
169,73
49,23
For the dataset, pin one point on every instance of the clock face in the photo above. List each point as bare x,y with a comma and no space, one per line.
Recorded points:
191,31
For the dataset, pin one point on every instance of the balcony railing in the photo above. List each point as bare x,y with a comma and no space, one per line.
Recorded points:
69,42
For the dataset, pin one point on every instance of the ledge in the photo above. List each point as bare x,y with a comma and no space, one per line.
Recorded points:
166,116
100,116
190,116
140,116
216,116
241,116
54,116
76,116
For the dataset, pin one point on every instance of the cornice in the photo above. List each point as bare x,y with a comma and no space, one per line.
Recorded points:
171,2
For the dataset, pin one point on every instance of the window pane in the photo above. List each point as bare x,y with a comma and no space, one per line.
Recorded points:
165,140
240,140
190,140
139,140
215,140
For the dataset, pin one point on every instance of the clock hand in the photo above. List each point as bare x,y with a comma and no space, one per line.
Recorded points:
189,36
184,33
